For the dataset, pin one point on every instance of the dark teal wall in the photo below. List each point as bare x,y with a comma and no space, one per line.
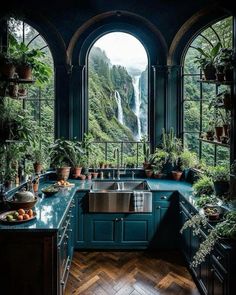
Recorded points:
165,27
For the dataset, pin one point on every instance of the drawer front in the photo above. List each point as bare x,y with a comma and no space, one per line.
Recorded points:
220,258
163,196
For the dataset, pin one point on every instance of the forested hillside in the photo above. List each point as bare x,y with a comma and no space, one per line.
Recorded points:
111,100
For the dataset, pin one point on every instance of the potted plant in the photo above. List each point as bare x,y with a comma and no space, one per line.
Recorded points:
225,63
203,186
160,158
77,153
38,156
204,200
210,132
187,161
146,154
29,62
60,154
206,60
7,66
220,178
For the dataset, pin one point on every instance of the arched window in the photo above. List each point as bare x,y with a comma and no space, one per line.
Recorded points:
32,103
201,108
118,96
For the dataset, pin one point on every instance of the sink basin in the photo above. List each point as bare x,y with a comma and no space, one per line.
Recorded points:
118,196
119,186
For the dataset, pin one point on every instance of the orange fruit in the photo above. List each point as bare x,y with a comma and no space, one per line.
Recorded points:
20,217
21,211
30,212
26,216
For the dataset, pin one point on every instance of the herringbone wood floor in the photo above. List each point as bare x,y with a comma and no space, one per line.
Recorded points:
129,273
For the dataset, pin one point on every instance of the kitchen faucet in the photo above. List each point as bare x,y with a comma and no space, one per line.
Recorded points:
117,157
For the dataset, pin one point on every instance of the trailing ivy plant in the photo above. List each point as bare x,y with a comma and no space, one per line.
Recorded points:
224,229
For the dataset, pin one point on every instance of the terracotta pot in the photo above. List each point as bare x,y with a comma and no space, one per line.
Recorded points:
176,175
220,77
149,173
229,75
76,172
210,135
94,175
24,72
102,165
89,176
13,90
158,175
209,72
146,165
35,187
7,70
219,132
38,168
226,129
63,173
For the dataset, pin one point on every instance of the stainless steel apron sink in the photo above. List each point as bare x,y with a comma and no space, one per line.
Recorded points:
117,196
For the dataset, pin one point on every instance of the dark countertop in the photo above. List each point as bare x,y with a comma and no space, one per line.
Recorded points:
51,210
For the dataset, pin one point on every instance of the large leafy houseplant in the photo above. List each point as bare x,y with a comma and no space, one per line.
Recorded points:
220,178
203,186
206,60
225,229
61,152
29,61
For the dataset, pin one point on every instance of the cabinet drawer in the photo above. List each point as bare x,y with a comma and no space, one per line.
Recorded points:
163,196
220,258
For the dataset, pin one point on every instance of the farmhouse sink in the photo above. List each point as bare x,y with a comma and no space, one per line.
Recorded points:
119,186
118,196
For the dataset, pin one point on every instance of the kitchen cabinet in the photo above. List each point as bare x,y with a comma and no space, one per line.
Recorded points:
165,214
37,261
216,275
80,211
118,231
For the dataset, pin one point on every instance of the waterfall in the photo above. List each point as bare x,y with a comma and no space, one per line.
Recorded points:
120,110
137,99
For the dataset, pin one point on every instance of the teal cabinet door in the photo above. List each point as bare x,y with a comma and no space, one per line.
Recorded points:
136,230
185,237
165,221
102,230
79,223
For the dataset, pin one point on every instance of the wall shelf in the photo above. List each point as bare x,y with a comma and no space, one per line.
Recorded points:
216,82
17,80
215,142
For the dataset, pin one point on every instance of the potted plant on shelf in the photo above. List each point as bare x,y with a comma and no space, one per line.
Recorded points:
60,154
210,132
206,60
225,63
7,66
188,160
220,177
29,62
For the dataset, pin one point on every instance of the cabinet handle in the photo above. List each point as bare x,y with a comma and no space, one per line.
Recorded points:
121,219
62,283
158,207
182,202
163,197
218,257
212,270
70,230
116,219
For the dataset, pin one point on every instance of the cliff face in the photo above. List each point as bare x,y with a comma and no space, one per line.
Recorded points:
111,100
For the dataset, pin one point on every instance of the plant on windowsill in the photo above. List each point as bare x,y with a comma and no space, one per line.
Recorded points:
77,153
38,154
225,229
220,176
160,158
60,155
203,186
204,200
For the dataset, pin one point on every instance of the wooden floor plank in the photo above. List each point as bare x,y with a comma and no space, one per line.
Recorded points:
129,273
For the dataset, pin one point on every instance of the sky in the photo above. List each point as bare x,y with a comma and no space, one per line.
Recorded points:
125,50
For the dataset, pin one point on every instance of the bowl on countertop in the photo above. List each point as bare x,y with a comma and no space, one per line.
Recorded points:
15,204
23,196
50,190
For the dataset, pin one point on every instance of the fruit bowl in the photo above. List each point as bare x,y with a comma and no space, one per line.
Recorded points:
14,205
50,190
